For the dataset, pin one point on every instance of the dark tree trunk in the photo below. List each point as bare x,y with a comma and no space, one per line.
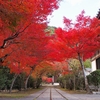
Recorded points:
74,80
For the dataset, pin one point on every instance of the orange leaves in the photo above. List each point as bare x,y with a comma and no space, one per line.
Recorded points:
61,67
42,69
44,78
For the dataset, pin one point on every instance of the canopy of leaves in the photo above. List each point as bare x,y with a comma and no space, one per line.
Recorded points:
22,36
79,38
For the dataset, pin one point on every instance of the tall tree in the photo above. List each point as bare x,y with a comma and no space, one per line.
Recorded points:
78,40
37,50
19,22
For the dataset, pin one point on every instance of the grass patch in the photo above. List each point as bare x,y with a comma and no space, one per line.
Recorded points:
76,91
73,91
19,94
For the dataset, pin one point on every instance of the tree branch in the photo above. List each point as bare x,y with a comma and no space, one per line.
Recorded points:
13,37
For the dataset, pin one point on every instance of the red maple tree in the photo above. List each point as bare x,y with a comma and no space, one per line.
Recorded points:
78,40
22,37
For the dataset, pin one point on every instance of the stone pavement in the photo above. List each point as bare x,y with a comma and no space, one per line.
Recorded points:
52,93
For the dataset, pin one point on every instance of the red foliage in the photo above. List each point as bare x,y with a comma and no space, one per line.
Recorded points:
78,38
22,37
44,78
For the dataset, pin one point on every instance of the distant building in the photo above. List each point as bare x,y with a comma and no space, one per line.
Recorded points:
95,61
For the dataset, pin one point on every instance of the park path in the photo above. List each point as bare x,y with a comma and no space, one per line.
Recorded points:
52,93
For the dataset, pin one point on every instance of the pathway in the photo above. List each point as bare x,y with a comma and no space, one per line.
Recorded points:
51,93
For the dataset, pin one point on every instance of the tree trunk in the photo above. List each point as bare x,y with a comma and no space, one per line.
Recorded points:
26,81
15,76
74,83
85,78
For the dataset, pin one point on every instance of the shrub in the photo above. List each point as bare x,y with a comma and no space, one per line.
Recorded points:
94,78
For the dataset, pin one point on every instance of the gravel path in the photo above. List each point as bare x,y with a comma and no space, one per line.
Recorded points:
56,94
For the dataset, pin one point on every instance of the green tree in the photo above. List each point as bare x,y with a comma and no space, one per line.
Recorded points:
5,78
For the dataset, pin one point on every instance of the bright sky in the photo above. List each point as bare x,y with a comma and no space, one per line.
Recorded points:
71,8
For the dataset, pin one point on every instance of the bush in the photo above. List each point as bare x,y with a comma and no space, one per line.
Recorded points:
5,78
94,78
71,82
